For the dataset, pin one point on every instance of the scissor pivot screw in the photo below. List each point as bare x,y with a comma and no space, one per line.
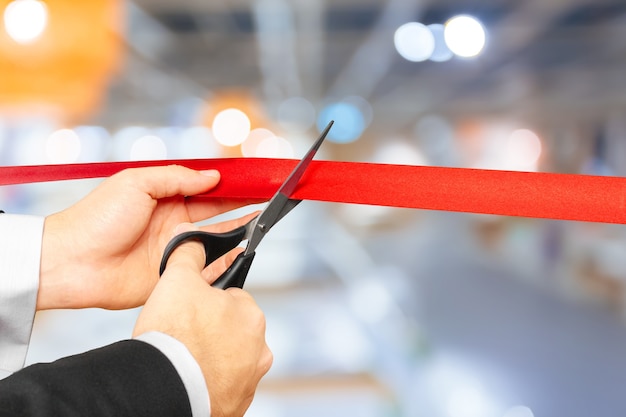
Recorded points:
263,228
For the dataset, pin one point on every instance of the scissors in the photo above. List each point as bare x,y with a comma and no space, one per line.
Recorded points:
218,244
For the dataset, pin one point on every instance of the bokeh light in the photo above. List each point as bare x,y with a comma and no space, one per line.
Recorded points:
63,147
523,149
465,36
25,20
414,41
274,147
254,139
349,122
364,107
124,139
148,147
231,127
441,52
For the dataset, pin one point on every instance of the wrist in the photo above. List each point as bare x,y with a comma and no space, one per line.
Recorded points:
55,290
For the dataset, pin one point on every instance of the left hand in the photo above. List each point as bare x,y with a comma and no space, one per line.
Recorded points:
105,250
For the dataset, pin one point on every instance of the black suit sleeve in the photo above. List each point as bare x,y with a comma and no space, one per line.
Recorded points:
128,378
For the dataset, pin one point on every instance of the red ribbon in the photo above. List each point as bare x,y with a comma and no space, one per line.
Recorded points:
541,195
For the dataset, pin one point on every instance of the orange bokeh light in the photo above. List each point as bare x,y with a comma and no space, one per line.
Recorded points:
66,70
239,99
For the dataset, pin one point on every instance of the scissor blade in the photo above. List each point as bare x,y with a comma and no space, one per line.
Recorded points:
251,226
291,182
291,203
281,204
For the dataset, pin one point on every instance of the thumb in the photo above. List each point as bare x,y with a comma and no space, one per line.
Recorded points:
189,256
168,181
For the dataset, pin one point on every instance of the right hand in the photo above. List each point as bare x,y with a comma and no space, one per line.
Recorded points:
223,329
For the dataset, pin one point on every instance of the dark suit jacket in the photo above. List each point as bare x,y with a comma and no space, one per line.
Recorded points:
128,378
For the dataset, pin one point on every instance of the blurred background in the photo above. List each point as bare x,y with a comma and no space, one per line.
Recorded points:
371,311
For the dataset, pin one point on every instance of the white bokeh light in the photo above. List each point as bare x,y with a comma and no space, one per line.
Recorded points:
124,139
465,36
254,139
63,147
414,41
25,20
441,52
523,149
231,127
148,147
274,147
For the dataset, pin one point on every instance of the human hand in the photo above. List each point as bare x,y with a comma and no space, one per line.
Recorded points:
223,329
105,250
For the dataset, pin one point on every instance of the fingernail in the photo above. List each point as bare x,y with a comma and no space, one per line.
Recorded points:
211,173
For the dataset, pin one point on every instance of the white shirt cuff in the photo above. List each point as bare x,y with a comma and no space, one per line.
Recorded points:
20,258
187,368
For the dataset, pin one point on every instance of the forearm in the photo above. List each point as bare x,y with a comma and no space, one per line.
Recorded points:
188,369
20,254
128,378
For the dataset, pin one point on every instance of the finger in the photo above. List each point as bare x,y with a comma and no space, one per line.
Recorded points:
190,255
229,225
217,268
171,180
202,208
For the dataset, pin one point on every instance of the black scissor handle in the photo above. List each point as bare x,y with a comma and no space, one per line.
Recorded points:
236,274
215,244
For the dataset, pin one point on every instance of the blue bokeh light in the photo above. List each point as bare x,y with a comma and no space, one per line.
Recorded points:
349,122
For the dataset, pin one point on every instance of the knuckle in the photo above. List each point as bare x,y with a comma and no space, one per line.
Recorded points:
266,361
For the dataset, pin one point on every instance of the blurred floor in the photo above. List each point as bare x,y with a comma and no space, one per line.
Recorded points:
535,346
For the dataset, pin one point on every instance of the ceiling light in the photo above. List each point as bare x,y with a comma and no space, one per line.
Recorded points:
465,36
25,20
